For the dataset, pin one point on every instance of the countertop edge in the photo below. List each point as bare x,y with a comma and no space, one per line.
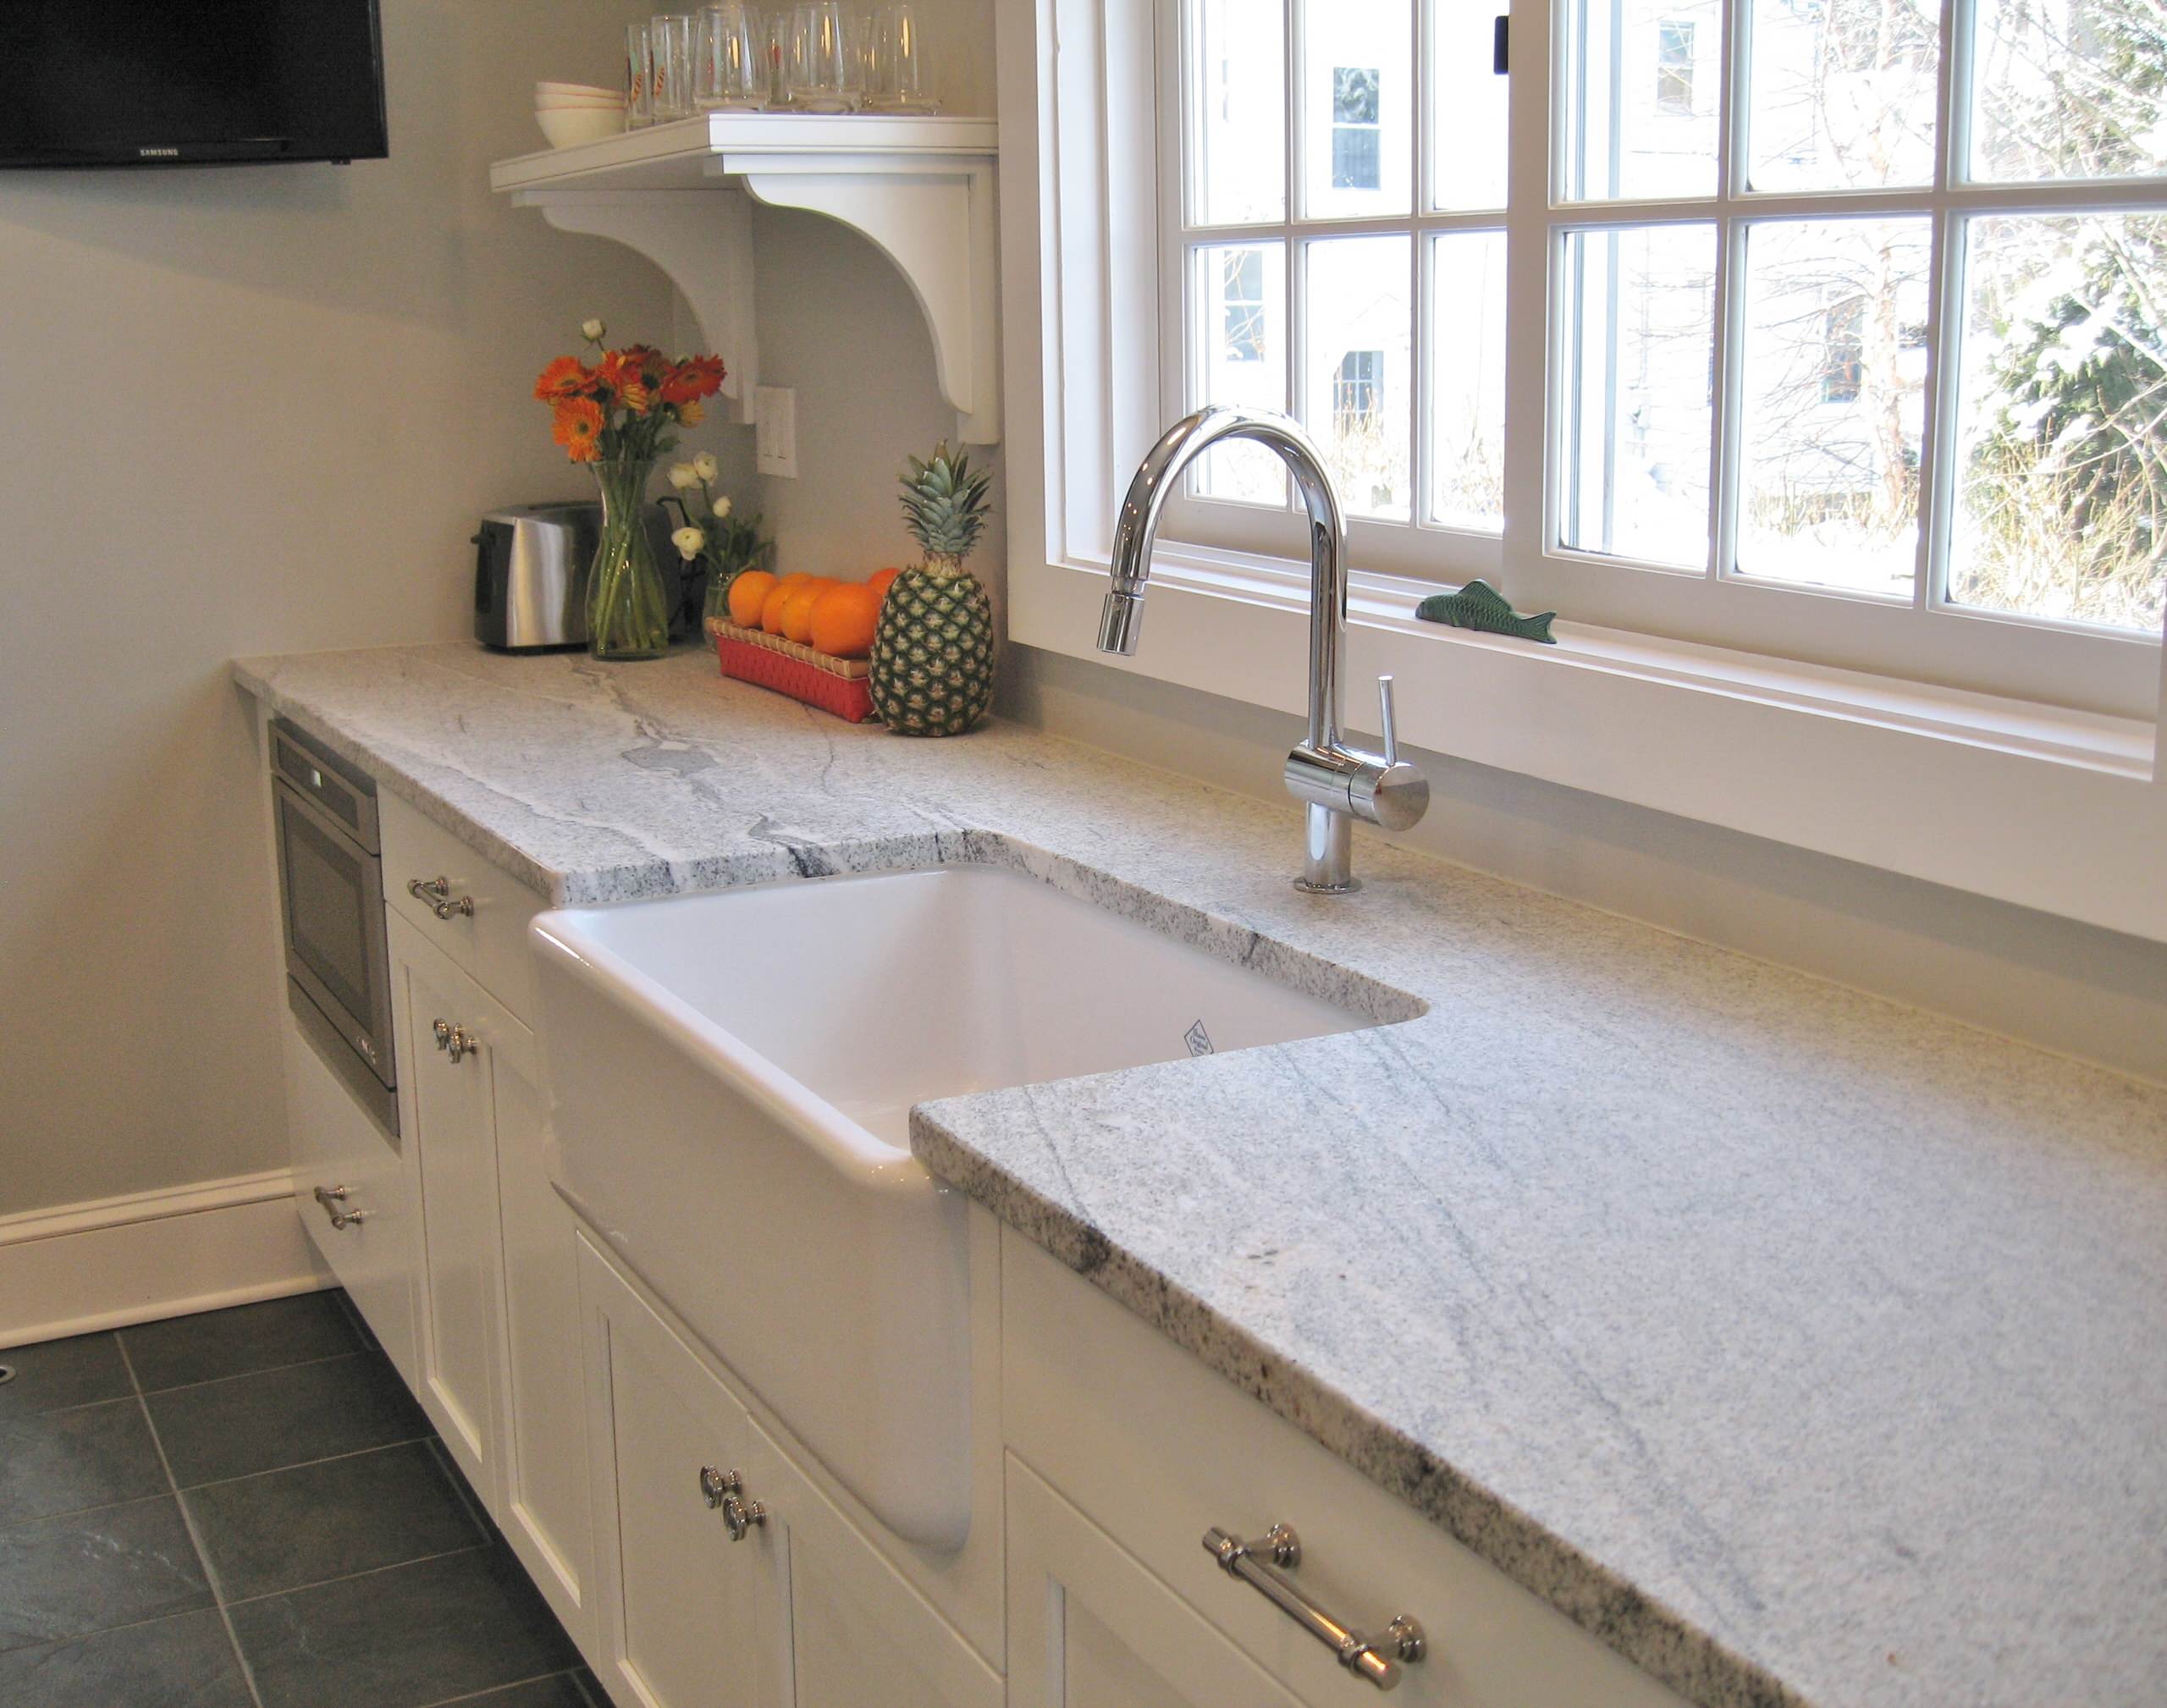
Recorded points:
1663,1643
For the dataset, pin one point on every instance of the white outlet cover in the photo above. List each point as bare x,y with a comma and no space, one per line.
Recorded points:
775,430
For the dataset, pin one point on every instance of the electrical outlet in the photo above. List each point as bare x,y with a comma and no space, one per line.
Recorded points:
775,430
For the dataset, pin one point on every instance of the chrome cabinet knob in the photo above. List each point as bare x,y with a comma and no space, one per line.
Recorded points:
437,893
456,1041
724,1492
331,1201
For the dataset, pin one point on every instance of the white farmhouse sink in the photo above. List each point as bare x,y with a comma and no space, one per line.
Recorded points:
733,1075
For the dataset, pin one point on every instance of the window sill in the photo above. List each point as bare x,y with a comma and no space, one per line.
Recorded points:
2034,805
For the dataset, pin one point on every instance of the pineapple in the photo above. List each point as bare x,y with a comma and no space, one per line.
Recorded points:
932,650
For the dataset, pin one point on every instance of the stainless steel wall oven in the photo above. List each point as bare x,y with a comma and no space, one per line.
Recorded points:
331,900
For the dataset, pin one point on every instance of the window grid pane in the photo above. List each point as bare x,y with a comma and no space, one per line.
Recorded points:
1826,362
1339,341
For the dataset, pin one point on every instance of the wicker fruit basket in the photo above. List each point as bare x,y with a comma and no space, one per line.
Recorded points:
837,686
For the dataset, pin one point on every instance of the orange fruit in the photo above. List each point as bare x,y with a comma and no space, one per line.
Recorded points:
748,593
797,612
878,581
771,607
842,619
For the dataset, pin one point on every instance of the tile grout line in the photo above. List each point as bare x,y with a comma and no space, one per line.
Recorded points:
355,1352
306,1464
195,1536
481,1546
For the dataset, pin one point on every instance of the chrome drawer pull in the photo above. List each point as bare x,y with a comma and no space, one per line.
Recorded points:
1375,1658
332,1199
724,1492
437,892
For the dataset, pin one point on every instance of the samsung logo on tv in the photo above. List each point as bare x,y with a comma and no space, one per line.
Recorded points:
158,154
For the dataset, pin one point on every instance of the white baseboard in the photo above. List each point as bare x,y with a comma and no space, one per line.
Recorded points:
82,1267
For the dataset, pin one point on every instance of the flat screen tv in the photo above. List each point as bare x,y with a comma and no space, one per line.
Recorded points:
190,82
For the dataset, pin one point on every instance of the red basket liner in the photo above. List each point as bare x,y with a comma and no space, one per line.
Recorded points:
848,697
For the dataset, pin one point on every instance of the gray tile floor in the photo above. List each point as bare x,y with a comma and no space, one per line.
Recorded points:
245,1509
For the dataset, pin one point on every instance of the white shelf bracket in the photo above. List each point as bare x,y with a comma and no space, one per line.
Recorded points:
703,239
935,222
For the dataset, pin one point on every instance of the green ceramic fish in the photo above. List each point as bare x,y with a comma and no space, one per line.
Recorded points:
1478,605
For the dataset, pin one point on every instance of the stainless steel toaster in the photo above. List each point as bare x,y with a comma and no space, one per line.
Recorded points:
530,575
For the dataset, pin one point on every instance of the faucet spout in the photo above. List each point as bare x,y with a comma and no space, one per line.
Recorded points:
1336,782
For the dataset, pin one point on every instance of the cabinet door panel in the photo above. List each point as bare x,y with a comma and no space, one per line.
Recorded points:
545,1471
858,1633
677,1596
453,1137
1089,1627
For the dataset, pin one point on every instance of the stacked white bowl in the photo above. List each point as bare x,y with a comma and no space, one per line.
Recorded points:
575,112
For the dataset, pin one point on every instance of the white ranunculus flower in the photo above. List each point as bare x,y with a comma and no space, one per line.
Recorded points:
593,331
707,467
683,477
722,507
690,543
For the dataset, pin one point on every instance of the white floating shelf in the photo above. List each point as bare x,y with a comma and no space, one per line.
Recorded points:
682,195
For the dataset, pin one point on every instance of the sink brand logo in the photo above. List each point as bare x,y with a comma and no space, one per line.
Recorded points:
1198,1040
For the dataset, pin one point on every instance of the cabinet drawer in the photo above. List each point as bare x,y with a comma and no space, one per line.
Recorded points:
488,942
1156,1449
337,1148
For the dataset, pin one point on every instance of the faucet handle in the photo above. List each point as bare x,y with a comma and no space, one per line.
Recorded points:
1391,722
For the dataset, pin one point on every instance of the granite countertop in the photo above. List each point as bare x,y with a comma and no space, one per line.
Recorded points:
1807,1348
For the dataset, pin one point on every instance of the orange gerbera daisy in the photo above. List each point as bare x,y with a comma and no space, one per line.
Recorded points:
696,376
616,370
578,429
564,377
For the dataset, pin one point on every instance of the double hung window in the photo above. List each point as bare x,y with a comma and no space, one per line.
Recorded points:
1832,329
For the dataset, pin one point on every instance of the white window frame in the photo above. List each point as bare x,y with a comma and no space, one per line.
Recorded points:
2060,810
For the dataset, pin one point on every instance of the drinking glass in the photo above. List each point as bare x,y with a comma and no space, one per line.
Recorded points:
902,75
671,33
639,77
732,51
820,74
781,27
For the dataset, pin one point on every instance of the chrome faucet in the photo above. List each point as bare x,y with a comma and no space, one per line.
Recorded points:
1336,783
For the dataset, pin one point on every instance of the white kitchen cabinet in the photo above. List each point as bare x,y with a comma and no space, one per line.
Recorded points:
858,1632
498,1364
678,1601
802,1609
351,1188
1156,1449
446,1065
1089,1627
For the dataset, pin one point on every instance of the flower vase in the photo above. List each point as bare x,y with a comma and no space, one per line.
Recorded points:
627,608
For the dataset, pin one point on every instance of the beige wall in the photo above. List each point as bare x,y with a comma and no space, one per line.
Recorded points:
247,410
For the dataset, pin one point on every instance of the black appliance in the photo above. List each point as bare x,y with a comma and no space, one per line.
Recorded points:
162,83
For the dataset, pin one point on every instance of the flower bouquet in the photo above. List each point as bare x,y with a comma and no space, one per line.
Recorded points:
717,548
618,416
